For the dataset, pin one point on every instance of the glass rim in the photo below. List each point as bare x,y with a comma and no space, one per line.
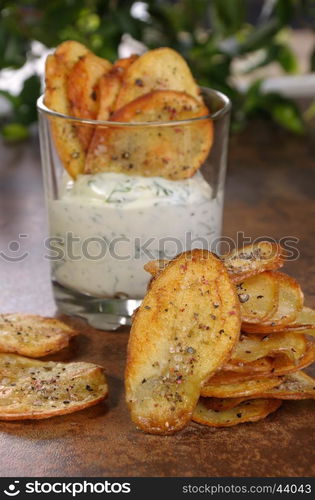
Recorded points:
41,107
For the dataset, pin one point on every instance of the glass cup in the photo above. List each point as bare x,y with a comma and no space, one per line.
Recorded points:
105,226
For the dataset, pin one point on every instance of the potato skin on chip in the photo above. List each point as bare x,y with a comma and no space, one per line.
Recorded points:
239,389
183,332
171,151
247,411
33,336
83,92
253,259
58,67
31,389
159,69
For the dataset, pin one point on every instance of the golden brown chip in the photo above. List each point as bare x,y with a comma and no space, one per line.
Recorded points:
290,301
33,336
122,64
31,389
109,86
221,404
297,385
82,88
58,67
243,264
304,323
160,69
155,266
259,297
252,347
183,332
171,151
258,366
253,259
247,411
265,367
239,389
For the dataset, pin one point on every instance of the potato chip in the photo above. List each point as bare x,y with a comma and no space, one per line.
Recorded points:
259,297
253,347
290,301
122,64
239,389
109,87
31,389
33,336
171,151
153,267
58,67
247,411
265,367
258,366
221,404
296,385
183,332
242,264
82,92
253,259
159,69
304,323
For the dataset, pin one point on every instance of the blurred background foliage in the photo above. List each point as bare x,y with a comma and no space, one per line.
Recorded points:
211,35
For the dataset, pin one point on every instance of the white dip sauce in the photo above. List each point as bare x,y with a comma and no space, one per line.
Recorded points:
120,222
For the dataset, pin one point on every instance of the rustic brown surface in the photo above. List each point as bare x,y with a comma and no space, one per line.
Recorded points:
270,191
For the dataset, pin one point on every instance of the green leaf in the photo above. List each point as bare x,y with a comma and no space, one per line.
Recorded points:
287,59
227,16
287,115
14,132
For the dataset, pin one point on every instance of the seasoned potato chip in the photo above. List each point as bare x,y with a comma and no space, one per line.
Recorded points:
242,264
155,266
221,404
297,385
58,67
239,389
265,367
303,323
252,347
31,389
247,411
83,92
171,151
261,365
33,336
159,69
108,89
122,64
183,332
109,86
253,259
290,301
305,319
259,296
